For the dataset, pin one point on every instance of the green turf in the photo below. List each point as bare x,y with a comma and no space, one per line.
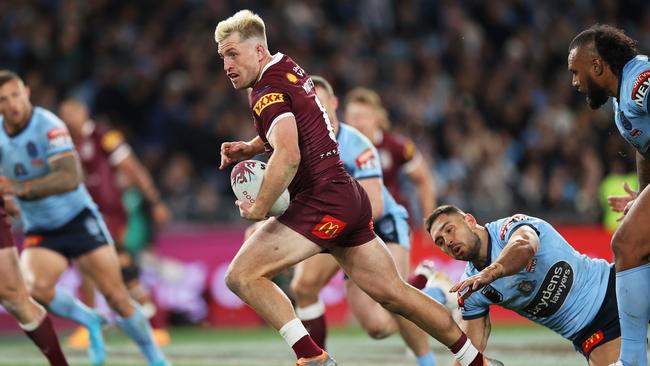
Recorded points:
514,345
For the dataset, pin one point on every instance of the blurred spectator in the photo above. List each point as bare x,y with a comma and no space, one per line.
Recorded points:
492,73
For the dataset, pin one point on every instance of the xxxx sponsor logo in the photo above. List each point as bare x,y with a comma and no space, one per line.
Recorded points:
329,227
267,100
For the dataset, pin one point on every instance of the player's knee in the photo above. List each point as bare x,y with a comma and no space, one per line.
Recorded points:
41,291
234,279
622,244
376,330
388,298
119,300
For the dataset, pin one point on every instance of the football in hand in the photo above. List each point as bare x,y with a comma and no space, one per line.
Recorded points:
246,180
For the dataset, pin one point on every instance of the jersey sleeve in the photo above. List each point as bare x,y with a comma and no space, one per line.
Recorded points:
474,306
511,224
57,136
640,91
366,160
271,106
114,145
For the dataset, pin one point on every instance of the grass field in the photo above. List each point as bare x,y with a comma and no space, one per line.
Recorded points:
514,345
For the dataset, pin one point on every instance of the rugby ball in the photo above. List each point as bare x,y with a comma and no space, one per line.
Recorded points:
246,180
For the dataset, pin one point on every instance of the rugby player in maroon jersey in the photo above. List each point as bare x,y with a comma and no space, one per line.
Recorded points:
328,211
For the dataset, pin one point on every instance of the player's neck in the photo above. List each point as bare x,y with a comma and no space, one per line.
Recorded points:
612,86
482,260
263,62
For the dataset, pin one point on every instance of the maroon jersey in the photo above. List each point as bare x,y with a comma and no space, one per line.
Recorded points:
100,150
327,205
396,152
284,89
6,236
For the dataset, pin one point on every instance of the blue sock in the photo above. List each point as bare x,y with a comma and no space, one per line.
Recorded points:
436,294
67,306
426,360
632,289
138,329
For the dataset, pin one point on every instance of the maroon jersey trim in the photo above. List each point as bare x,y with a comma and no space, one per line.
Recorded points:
274,60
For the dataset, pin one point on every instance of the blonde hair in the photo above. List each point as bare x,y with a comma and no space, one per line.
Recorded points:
370,98
244,22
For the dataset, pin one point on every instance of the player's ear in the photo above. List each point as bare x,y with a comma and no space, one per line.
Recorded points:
471,220
597,66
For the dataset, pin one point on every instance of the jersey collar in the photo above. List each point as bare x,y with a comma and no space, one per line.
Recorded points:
274,60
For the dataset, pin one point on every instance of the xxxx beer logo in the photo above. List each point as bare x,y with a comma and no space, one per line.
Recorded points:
266,100
593,340
329,227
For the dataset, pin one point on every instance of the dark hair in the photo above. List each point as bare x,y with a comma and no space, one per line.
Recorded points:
441,210
611,44
8,75
320,81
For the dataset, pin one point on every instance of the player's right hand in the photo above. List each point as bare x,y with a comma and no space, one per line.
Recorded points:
622,203
232,152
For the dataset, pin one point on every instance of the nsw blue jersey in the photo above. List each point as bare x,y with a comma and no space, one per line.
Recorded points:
632,110
559,288
24,156
361,160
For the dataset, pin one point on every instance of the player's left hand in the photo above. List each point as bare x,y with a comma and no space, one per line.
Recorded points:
248,211
475,283
160,213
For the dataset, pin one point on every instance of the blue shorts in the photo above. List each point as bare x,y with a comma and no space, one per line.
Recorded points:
84,233
394,230
605,327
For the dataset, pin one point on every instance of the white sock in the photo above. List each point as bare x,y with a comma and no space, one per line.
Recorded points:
292,331
313,311
33,325
467,353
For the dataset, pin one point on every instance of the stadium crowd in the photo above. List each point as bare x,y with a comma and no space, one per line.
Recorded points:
492,77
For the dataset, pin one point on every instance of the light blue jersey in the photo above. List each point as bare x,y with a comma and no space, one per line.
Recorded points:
559,288
361,160
24,156
631,110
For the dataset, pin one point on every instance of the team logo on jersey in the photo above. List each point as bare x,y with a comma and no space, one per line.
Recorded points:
526,287
592,341
292,78
506,225
366,160
31,149
554,290
636,133
492,294
19,170
267,100
329,227
640,88
58,137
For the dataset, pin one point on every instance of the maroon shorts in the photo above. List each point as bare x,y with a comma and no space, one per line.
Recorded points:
334,213
6,236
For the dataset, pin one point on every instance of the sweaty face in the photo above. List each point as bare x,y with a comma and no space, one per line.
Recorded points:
580,63
240,60
362,117
15,106
455,237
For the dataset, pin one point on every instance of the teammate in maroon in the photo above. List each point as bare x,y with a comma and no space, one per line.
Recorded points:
14,296
328,209
104,152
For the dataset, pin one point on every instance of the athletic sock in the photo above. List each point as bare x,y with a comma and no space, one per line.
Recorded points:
418,281
632,289
42,334
426,360
137,328
313,318
466,353
66,306
296,336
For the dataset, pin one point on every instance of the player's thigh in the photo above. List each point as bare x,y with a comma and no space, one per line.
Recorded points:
272,248
251,229
607,354
102,266
372,268
41,269
632,235
315,272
